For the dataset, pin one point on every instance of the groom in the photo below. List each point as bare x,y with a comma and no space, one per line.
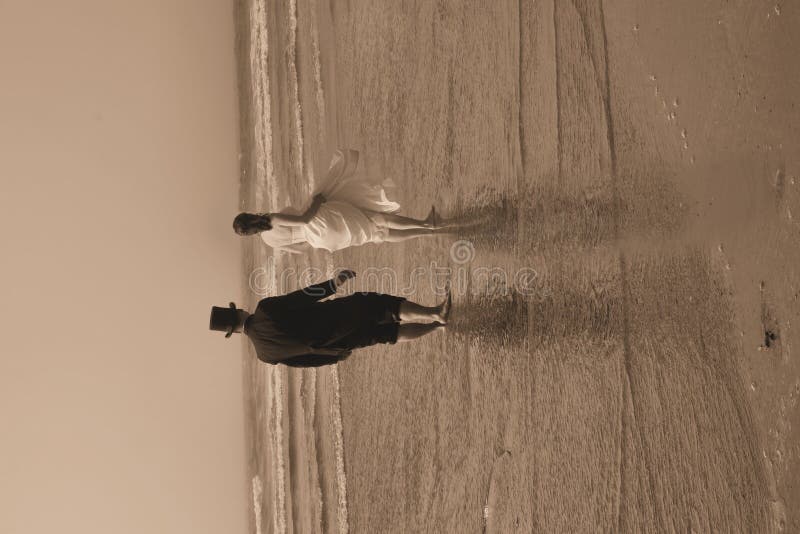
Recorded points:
301,329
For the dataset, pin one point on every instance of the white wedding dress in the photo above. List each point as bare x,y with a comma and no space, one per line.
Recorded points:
349,217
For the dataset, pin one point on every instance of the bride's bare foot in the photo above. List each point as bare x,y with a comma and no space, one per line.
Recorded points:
434,222
430,220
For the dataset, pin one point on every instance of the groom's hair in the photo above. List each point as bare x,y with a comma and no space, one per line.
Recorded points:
251,223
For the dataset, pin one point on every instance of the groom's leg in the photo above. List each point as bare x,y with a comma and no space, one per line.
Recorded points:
412,331
369,334
391,333
411,311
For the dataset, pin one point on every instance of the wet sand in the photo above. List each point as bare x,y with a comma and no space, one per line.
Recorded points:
637,162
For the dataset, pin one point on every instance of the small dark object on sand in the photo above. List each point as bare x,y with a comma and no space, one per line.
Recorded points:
769,337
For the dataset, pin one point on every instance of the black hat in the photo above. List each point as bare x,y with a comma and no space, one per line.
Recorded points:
224,319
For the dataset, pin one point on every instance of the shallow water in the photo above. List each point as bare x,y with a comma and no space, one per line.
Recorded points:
594,376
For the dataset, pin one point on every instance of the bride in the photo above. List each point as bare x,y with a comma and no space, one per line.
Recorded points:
345,212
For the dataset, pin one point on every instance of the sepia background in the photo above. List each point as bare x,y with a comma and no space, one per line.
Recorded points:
120,411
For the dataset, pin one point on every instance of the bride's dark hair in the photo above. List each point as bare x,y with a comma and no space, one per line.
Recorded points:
251,223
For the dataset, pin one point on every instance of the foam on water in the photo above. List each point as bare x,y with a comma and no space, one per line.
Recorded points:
259,65
258,490
279,465
312,417
338,440
338,443
265,181
266,185
291,51
319,91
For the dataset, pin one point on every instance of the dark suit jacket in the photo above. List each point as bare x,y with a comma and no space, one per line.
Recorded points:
286,329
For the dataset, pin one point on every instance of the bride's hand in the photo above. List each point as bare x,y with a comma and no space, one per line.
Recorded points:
343,276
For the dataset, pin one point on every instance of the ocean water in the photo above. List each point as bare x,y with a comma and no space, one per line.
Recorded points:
590,380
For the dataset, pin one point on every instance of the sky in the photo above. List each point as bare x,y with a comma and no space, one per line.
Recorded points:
120,411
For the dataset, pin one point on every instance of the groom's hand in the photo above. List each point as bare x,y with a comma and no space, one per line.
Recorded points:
343,276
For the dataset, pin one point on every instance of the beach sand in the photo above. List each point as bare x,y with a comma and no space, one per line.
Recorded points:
620,353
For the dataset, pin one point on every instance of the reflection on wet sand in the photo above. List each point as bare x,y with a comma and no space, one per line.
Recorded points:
558,309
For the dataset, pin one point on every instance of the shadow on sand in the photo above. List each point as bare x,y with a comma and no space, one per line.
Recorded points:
550,219
559,311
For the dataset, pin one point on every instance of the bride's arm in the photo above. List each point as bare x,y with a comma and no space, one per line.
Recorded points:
287,219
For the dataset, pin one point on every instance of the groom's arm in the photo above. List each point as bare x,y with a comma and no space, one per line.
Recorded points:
314,292
309,295
300,298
